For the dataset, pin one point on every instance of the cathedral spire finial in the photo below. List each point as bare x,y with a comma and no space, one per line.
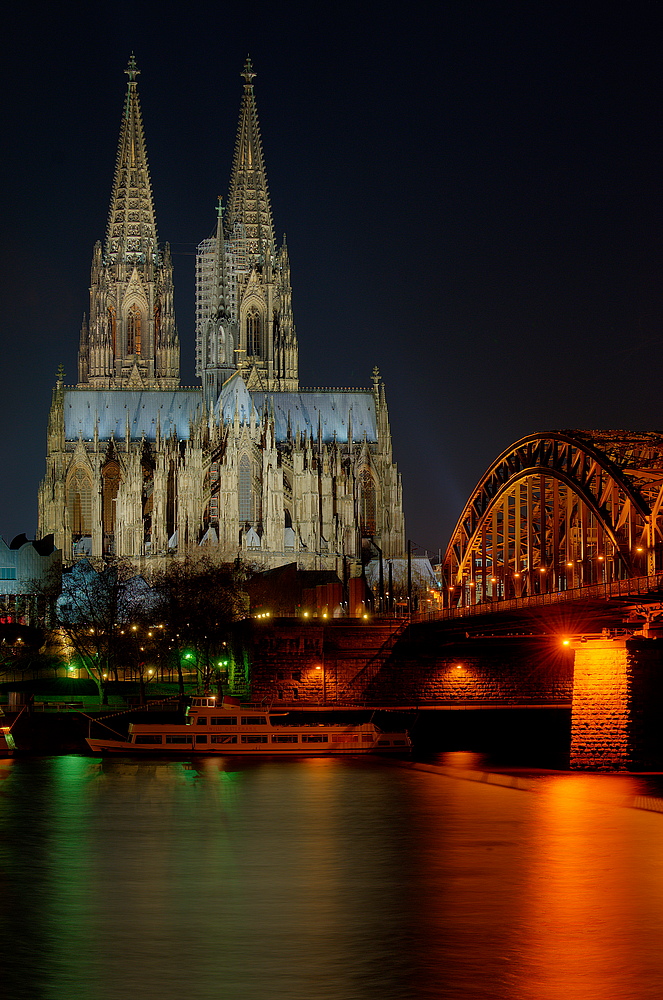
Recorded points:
132,70
247,72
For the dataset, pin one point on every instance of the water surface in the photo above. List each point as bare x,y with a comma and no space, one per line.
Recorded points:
324,879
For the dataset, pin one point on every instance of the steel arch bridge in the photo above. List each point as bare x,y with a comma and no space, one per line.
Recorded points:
559,511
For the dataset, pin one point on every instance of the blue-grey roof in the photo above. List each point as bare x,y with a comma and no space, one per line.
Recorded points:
335,409
175,409
172,409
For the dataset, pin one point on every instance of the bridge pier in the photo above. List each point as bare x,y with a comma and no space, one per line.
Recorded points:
617,711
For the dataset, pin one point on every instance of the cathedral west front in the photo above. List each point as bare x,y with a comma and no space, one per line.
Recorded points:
247,465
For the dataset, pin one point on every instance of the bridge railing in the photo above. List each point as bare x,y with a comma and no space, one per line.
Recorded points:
636,586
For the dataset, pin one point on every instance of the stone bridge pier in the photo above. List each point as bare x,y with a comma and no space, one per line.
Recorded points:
617,712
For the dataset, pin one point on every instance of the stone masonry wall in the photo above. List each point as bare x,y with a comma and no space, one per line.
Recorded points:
617,699
354,662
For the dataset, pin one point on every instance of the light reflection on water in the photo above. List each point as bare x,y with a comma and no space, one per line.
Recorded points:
326,879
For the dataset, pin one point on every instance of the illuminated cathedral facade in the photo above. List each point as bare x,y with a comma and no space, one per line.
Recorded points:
247,465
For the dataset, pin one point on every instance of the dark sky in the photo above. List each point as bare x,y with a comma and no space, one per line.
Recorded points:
471,194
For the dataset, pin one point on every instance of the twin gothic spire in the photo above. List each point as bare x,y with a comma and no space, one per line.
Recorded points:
244,318
132,228
130,340
243,296
248,199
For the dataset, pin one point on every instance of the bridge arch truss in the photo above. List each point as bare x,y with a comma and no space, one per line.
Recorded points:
558,511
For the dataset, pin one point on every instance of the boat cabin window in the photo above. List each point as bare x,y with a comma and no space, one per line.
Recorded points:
254,739
223,738
178,739
147,739
254,720
203,703
285,739
315,739
224,720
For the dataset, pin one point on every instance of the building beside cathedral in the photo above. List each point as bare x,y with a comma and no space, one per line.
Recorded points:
247,465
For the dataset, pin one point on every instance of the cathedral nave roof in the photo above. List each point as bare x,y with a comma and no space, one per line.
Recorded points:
170,410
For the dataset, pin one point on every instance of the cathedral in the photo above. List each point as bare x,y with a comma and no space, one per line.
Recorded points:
248,465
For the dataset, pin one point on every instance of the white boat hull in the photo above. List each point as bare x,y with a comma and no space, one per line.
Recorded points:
231,728
399,745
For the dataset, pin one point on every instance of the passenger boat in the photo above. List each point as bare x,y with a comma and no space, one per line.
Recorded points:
231,728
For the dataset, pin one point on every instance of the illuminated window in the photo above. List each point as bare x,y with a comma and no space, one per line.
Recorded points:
245,493
110,475
79,501
157,321
170,500
112,327
133,330
253,333
367,503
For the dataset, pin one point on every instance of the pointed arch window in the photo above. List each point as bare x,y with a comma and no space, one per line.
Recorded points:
157,322
110,475
253,333
134,324
367,504
79,501
171,500
245,491
112,327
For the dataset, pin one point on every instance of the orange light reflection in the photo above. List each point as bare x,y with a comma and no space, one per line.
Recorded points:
582,926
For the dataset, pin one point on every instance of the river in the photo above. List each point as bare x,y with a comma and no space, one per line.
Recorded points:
326,879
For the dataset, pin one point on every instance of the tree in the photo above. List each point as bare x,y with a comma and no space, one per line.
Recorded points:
95,613
200,600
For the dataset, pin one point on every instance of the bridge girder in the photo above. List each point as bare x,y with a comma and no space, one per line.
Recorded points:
559,510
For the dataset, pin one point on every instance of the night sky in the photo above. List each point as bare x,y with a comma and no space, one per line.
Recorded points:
471,194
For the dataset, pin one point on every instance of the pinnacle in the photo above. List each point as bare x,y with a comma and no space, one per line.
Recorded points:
248,203
132,234
132,70
247,72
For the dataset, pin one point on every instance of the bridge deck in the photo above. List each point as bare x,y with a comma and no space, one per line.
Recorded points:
644,588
